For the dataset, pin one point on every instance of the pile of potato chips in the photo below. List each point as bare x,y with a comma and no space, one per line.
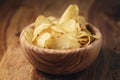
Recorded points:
68,32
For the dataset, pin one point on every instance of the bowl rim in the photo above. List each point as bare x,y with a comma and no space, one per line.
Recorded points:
60,51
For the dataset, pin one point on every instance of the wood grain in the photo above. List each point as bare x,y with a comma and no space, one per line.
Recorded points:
16,14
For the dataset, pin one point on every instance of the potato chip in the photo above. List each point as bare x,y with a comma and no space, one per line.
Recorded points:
39,29
29,34
70,13
57,29
78,28
61,43
41,19
71,37
53,20
56,34
42,39
67,41
69,26
84,38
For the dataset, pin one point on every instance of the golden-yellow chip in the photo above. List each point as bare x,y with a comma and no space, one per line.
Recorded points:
39,29
29,34
69,26
41,19
41,41
70,13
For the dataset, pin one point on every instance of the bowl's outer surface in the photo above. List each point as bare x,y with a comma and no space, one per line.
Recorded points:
61,61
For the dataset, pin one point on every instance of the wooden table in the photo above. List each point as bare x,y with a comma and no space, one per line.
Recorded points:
16,14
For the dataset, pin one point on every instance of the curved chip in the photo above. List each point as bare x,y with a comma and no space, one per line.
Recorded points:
70,13
40,20
69,26
39,29
29,34
53,20
41,40
66,41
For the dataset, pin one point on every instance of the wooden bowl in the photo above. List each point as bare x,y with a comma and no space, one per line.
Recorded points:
61,61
